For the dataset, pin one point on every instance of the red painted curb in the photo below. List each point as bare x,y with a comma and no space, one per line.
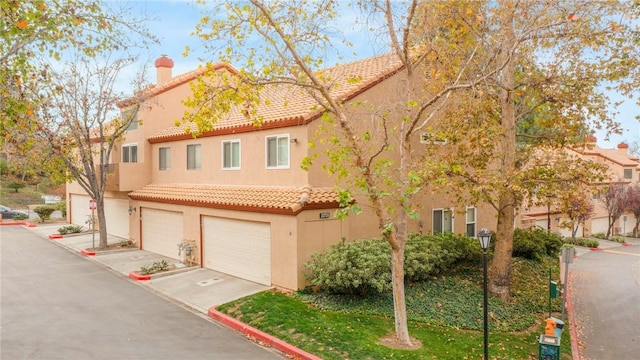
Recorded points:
31,225
135,276
55,236
86,252
575,349
595,249
16,223
627,244
261,336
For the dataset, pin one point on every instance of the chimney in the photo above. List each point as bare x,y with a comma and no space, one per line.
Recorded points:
590,142
163,69
622,148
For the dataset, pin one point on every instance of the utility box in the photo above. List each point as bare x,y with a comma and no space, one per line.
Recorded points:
553,289
548,348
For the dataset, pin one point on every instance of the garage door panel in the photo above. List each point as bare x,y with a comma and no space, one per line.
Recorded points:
162,232
239,248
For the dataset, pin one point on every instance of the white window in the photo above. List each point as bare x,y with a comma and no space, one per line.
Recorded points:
231,154
442,221
471,221
164,156
130,115
278,152
130,153
628,174
194,156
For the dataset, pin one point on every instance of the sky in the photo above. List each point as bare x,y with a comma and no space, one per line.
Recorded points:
174,20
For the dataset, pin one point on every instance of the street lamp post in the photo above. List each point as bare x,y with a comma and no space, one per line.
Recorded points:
549,196
484,236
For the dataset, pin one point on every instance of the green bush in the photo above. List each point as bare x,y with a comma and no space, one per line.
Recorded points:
364,266
16,186
20,217
44,212
62,206
618,239
599,236
535,243
584,242
70,229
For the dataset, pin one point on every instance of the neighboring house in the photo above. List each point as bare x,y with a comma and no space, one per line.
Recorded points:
236,195
622,167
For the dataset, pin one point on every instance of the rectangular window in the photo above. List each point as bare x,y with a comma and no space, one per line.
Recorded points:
471,221
164,156
130,115
194,157
628,174
231,154
442,221
130,153
278,151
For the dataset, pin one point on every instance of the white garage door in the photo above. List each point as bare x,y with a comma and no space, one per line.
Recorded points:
162,231
115,211
80,212
239,248
599,225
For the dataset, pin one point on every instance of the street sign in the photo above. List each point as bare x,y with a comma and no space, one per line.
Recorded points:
92,204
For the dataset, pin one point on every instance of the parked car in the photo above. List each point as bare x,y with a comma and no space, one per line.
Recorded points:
8,213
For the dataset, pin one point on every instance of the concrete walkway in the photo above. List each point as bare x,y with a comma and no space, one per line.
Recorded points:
195,287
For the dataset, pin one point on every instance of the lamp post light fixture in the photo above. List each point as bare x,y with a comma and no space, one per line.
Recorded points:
484,236
549,196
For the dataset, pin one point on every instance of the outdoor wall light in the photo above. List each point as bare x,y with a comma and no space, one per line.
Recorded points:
131,210
294,141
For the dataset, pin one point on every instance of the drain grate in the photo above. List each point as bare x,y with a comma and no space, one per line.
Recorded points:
208,282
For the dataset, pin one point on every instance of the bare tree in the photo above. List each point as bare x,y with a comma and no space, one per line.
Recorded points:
614,201
79,117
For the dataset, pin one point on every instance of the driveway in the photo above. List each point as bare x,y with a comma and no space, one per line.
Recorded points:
605,291
57,305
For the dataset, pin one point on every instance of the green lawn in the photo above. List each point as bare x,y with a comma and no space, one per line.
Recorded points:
445,316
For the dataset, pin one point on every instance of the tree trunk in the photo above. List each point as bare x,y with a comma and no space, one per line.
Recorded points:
399,300
500,270
102,223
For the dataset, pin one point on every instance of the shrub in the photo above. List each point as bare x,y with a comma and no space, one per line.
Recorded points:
19,217
364,266
70,229
590,243
44,212
154,268
599,236
618,239
16,186
62,206
535,243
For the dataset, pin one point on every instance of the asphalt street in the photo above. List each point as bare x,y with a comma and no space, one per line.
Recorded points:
55,304
605,288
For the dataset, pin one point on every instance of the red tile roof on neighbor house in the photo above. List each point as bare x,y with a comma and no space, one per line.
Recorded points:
279,200
291,105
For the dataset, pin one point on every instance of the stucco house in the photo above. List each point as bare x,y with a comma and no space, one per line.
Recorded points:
622,168
236,196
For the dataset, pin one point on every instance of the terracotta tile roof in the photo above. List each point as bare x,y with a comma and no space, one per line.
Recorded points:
283,200
290,103
178,80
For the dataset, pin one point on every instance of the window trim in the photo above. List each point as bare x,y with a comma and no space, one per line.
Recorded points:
475,221
231,142
266,145
625,172
198,159
126,146
167,160
444,210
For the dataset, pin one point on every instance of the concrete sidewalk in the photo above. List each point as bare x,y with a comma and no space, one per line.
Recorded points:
195,287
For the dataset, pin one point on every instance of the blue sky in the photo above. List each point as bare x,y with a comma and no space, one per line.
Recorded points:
176,19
